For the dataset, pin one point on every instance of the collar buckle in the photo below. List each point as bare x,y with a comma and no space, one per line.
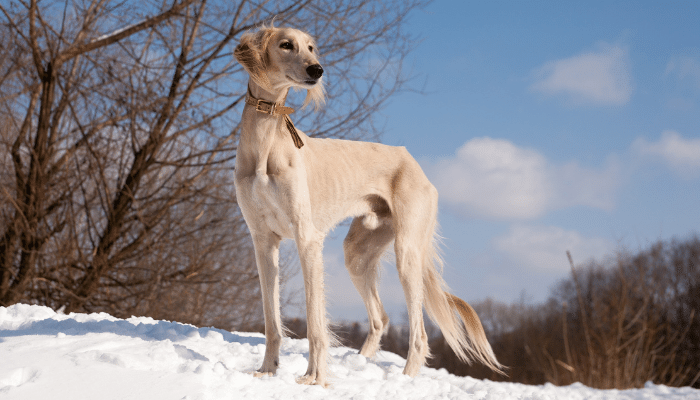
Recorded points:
266,107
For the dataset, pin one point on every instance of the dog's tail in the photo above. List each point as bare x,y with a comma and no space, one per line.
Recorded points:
467,339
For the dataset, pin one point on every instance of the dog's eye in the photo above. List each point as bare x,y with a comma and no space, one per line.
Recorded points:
311,49
287,46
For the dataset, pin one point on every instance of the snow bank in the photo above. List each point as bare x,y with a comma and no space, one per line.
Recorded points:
48,355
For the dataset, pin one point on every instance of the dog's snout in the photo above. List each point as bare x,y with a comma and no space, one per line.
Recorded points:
315,71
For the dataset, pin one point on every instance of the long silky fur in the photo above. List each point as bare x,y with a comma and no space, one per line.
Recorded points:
466,338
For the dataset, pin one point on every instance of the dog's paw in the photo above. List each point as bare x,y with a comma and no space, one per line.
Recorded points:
312,380
268,368
306,380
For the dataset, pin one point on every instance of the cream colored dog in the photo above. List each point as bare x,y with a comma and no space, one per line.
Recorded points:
292,186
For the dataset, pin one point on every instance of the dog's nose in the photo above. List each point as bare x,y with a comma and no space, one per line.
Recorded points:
315,71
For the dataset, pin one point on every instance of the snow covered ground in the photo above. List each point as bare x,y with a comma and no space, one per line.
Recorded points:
48,355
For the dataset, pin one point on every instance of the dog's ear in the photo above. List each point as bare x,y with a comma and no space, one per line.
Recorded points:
252,54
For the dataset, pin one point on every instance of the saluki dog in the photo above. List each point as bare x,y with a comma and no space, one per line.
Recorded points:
289,185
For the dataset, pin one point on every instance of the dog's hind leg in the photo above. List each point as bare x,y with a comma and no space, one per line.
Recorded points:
267,257
409,260
415,215
363,249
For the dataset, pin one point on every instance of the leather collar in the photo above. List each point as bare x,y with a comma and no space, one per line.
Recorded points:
272,108
267,107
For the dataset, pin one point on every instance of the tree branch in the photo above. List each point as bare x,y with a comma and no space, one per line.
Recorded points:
120,34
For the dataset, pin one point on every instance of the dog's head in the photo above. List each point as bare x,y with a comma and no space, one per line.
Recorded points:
281,58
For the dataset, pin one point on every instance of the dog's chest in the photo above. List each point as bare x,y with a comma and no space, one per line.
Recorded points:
272,192
264,207
268,180
274,207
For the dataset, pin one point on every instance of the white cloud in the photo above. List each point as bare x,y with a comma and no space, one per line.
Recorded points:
543,248
494,178
601,77
680,153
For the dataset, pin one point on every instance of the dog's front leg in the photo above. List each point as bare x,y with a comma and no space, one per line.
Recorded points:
310,247
267,258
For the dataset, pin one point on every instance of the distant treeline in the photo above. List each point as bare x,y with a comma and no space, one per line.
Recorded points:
612,324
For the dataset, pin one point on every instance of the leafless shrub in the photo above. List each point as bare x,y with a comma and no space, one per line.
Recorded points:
623,333
608,326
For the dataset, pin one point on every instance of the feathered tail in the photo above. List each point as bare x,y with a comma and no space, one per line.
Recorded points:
467,339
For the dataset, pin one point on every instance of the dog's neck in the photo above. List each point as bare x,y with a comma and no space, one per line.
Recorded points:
258,92
259,132
275,108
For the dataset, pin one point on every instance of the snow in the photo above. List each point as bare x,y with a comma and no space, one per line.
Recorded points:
116,32
44,354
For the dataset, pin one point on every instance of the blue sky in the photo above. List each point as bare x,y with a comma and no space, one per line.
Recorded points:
546,126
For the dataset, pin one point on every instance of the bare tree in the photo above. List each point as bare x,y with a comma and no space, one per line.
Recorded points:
119,126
